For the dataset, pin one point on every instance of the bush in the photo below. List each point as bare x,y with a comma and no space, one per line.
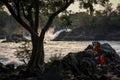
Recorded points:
23,52
52,59
55,57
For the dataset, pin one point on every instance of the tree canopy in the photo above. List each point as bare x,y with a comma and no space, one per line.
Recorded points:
29,12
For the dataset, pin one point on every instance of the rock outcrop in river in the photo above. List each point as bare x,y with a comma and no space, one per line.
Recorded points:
86,65
78,35
96,62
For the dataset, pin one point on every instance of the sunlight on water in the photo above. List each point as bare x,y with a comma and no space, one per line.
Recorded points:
51,48
64,47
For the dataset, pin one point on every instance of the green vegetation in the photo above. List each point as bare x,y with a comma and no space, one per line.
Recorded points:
104,24
23,52
7,24
27,13
55,57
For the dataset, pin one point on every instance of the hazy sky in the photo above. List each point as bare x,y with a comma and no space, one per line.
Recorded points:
75,7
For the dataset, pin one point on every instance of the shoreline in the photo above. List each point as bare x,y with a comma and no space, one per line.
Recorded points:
51,48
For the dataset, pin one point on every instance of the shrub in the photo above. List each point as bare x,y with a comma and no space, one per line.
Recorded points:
23,52
55,57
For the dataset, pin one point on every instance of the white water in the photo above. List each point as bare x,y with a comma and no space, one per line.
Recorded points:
51,48
50,35
58,32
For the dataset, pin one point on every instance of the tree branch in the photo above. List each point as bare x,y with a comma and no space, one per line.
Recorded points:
23,11
36,15
27,27
49,22
17,4
28,16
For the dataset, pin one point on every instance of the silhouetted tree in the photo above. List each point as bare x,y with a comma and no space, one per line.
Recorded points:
27,13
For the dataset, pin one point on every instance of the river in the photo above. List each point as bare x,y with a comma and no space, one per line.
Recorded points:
51,48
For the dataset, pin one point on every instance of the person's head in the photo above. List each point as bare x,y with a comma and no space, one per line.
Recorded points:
96,43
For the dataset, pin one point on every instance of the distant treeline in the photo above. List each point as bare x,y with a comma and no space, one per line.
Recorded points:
8,25
101,25
102,22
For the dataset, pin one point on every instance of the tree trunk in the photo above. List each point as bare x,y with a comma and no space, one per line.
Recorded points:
36,63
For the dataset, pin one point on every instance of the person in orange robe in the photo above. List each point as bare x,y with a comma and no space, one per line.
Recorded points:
102,59
97,49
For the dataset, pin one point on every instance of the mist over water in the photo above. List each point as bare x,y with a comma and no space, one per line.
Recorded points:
64,47
51,48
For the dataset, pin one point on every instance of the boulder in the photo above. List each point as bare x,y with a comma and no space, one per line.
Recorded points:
109,53
82,65
86,64
10,66
3,68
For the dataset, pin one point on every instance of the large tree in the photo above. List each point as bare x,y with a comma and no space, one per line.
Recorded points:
27,13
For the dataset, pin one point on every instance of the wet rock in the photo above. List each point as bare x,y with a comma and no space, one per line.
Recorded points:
55,72
110,53
3,68
89,47
104,78
83,65
87,66
70,62
107,48
10,66
86,62
21,67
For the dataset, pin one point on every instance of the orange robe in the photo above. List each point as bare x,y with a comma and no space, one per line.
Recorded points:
102,59
96,47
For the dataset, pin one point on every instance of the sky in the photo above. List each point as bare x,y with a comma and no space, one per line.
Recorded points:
75,7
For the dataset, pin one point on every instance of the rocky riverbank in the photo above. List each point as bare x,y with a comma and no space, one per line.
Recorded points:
83,65
81,35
